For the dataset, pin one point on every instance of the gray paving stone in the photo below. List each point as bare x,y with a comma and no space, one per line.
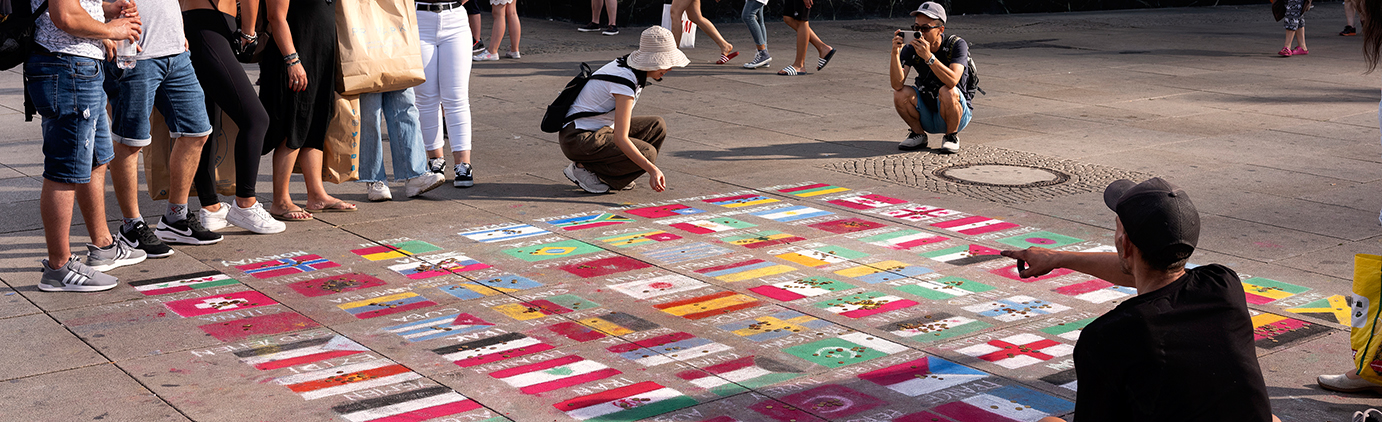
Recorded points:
122,398
44,345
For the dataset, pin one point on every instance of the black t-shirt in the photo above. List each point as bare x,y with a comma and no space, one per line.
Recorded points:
1183,352
927,80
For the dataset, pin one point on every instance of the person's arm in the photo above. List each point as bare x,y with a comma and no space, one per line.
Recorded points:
114,9
897,73
623,116
70,17
277,16
1104,265
948,75
249,15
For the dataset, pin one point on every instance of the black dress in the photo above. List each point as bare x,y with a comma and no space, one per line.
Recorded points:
302,117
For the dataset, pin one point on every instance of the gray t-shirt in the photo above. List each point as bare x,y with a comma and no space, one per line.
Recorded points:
58,41
162,29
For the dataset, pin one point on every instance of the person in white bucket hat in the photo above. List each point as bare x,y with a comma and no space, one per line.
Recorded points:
609,147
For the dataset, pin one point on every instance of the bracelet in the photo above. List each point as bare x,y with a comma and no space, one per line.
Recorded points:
290,57
248,37
290,64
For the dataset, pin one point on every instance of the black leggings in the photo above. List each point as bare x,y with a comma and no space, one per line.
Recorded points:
228,88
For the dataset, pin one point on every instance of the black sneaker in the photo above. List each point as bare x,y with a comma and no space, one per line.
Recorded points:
436,165
1349,31
142,237
477,47
189,231
610,30
950,144
590,27
464,177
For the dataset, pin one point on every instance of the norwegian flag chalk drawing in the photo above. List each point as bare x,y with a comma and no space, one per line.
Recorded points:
285,266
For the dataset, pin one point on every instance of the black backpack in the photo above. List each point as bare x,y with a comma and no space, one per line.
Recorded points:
972,75
17,31
556,117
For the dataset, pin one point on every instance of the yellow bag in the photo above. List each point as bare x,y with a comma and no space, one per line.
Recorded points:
1366,309
341,152
156,172
379,46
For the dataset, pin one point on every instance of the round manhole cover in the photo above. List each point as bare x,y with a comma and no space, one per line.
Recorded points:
1005,175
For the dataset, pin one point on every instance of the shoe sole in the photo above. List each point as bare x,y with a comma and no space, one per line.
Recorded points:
462,184
429,188
586,30
175,238
170,252
609,33
79,288
750,66
252,230
1368,389
116,264
387,198
578,184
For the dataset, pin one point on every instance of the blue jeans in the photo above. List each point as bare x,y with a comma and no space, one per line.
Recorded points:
753,17
167,82
66,91
399,110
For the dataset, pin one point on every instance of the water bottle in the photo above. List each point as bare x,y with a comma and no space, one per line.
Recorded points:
124,54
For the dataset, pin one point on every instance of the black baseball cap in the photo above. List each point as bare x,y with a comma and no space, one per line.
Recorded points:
1157,216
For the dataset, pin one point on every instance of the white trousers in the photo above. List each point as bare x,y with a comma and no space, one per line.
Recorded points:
446,61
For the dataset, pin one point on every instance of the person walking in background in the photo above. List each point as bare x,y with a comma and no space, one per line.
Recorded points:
1350,16
797,14
399,110
472,12
1294,21
611,7
692,8
505,15
446,64
210,32
297,87
758,28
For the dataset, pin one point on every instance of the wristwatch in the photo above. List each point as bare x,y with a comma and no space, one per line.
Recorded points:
931,60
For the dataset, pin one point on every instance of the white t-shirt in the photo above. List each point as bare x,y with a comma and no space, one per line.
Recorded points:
58,41
598,96
162,29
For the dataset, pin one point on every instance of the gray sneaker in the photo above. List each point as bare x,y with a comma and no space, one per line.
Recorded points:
74,277
114,256
586,179
914,141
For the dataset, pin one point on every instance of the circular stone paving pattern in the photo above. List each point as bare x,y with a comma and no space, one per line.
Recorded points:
1004,175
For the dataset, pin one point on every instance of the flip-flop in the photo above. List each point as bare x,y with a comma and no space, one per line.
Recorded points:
286,215
725,58
825,60
334,207
790,71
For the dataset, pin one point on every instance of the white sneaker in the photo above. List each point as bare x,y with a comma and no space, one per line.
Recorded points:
486,56
511,55
950,144
255,219
378,191
421,184
214,221
586,179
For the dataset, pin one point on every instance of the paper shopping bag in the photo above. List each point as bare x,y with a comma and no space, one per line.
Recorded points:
687,28
341,153
379,46
1366,310
156,156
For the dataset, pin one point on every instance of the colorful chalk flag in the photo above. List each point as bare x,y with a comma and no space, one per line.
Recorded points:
492,349
1040,239
551,305
945,288
847,225
1017,351
923,376
1068,330
791,213
964,255
554,250
740,201
395,250
832,401
739,375
385,305
865,304
713,225
686,252
883,271
255,326
639,238
626,404
182,283
1261,291
439,327
822,256
509,283
416,405
811,190
335,284
589,221
667,349
664,211
504,234
903,239
745,270
469,290
285,266
801,289
775,326
563,372
611,324
1334,308
221,303
299,352
658,286
848,349
866,202
438,265
938,326
1016,308
1096,291
1010,272
975,225
1007,403
762,239
1270,331
337,380
604,266
919,213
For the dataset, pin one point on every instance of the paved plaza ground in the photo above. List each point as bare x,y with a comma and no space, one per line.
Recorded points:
798,267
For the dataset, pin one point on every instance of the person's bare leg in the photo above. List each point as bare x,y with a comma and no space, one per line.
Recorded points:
905,101
461,156
283,160
124,174
91,199
611,10
1350,12
515,28
803,29
595,11
821,47
679,7
1289,36
55,206
951,110
693,12
310,159
474,25
1300,38
496,28
182,166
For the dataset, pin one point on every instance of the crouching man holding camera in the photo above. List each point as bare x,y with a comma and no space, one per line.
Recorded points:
935,104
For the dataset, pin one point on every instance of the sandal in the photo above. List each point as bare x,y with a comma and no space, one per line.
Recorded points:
288,215
825,60
790,71
725,58
338,206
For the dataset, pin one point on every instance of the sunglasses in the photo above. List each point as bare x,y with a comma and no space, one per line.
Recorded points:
924,27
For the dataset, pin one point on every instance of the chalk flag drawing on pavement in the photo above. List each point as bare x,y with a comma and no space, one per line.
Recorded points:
335,284
199,306
667,349
1271,331
1334,308
395,250
923,376
438,265
492,349
1261,291
285,266
739,375
1017,351
300,352
626,404
822,256
331,381
740,201
709,305
745,270
847,225
639,238
183,283
775,326
800,289
1016,308
661,211
1010,403
1096,291
762,239
589,221
611,324
504,234
551,305
416,405
554,250
920,213
904,239
975,225
386,305
713,225
964,255
816,189
439,327
792,213
945,288
865,304
847,349
934,327
261,325
867,202
1040,239
552,374
1068,330
658,286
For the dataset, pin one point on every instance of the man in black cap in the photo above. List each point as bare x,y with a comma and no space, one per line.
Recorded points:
935,104
1182,349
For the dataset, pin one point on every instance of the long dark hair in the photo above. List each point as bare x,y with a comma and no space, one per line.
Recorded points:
1371,16
642,75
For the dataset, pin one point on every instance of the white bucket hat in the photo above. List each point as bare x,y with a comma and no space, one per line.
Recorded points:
657,50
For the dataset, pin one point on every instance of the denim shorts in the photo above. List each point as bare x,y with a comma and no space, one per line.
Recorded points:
932,121
168,83
66,91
